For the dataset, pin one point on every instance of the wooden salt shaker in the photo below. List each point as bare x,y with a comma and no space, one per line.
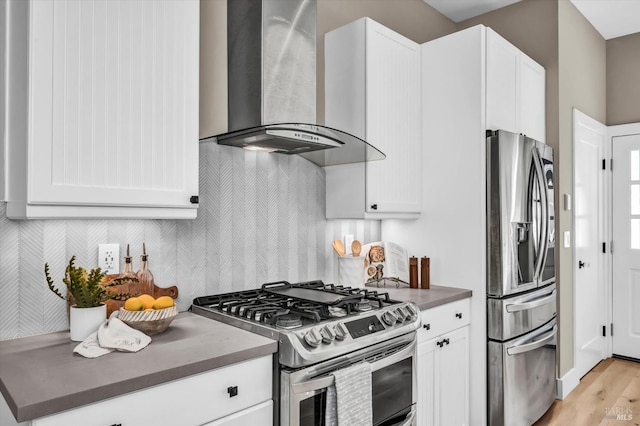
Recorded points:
413,272
424,273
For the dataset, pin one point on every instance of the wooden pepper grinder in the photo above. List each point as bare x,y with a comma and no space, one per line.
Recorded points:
424,273
413,272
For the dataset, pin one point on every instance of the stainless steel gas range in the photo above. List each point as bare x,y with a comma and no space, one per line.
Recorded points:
322,328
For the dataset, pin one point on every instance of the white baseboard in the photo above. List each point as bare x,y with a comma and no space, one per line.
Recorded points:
567,383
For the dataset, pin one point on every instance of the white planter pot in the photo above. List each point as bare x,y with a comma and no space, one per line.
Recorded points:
84,321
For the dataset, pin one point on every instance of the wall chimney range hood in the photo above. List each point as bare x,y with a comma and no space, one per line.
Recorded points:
272,85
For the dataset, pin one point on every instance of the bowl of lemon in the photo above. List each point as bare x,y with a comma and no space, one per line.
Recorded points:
147,314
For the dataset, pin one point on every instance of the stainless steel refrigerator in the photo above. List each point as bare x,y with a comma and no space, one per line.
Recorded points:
521,289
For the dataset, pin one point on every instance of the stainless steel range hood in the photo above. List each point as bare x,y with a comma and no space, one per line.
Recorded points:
272,85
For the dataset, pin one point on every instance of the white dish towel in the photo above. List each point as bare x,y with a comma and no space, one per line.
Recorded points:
112,335
349,400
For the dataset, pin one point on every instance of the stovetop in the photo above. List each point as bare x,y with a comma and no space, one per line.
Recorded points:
312,321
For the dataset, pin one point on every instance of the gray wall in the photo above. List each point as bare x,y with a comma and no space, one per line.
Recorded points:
623,80
261,219
582,53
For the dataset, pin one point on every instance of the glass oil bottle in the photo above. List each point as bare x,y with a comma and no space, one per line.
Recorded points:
129,286
145,277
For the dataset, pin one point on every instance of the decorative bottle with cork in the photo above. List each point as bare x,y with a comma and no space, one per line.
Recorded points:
145,277
127,272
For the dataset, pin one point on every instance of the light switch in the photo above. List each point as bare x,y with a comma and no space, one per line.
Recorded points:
567,239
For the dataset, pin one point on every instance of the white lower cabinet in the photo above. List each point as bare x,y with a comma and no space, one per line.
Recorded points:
239,394
443,365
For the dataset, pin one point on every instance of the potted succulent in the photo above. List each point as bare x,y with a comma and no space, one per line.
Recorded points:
86,293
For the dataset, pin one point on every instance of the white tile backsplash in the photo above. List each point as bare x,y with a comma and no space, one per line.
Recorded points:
261,219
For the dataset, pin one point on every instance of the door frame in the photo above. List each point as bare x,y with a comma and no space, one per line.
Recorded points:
613,131
606,237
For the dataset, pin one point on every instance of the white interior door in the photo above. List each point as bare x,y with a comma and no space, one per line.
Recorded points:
588,221
626,237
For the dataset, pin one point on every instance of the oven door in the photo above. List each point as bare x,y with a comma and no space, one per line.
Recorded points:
393,364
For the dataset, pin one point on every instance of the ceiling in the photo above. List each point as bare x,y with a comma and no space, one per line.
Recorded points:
611,18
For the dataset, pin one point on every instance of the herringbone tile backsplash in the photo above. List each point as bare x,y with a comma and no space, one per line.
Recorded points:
261,219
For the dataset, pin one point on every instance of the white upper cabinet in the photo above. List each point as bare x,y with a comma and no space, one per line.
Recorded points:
515,89
372,90
103,106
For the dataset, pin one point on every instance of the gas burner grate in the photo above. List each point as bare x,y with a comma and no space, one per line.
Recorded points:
311,301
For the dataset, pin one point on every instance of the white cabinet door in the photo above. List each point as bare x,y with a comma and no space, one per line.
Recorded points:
427,382
531,98
443,365
393,121
443,379
515,89
502,87
372,83
452,393
111,117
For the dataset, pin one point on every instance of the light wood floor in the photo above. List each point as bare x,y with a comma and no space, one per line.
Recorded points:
608,395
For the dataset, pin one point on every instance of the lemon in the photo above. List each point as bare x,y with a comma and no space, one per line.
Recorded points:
163,302
147,301
133,304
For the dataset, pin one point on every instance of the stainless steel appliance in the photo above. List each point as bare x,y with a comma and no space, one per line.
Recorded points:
271,52
320,329
521,291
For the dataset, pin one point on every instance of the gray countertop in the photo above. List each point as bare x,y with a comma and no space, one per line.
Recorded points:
40,375
424,298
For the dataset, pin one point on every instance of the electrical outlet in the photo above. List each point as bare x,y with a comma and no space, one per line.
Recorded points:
109,258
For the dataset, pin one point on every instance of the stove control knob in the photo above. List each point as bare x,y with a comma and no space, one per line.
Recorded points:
388,318
411,311
313,338
327,334
341,331
400,313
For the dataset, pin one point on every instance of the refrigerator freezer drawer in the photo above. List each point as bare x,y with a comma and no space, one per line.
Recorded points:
514,316
522,377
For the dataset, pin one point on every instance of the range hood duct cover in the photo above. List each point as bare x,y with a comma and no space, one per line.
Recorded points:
272,84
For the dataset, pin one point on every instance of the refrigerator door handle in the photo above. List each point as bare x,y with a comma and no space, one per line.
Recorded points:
518,349
544,219
516,307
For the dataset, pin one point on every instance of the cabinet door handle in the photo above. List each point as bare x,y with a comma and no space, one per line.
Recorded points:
459,315
232,391
426,326
374,207
440,343
445,341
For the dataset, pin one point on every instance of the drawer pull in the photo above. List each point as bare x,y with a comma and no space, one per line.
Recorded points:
459,315
426,326
232,391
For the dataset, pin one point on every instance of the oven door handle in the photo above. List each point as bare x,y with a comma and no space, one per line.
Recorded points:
516,307
408,421
518,349
329,380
